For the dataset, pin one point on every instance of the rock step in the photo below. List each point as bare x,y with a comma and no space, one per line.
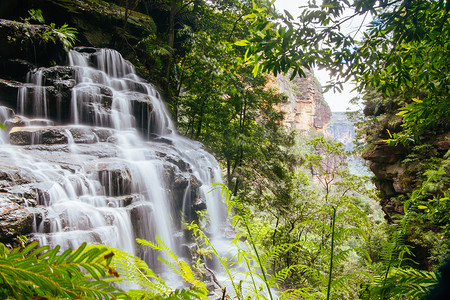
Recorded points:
51,135
72,238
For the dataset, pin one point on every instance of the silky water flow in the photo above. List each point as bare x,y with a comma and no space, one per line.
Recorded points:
123,172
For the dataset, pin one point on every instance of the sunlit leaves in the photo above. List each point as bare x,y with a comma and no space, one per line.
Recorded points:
404,52
42,272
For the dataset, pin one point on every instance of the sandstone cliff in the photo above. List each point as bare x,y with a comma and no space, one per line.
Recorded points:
305,109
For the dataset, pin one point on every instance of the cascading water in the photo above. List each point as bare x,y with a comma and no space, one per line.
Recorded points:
117,170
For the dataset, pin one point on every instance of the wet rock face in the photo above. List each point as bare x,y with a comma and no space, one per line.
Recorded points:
397,168
57,74
15,69
385,154
99,23
31,136
115,178
391,176
24,195
59,84
8,92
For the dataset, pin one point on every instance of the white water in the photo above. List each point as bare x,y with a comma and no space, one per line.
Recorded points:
84,197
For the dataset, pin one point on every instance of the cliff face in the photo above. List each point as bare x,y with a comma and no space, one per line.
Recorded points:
305,109
401,173
341,129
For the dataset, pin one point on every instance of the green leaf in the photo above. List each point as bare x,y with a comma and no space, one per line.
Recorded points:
290,17
242,43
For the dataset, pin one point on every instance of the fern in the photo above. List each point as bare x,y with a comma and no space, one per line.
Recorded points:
143,283
179,266
225,263
274,253
134,273
344,283
412,283
24,273
304,293
65,34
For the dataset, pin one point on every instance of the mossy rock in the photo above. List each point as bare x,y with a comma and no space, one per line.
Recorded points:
100,23
29,43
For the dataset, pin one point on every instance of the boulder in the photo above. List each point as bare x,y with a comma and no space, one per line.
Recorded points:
142,108
15,219
20,121
55,74
17,121
175,160
103,134
5,113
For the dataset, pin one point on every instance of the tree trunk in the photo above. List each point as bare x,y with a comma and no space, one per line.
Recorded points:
171,35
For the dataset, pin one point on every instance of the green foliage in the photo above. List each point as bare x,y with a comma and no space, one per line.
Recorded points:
398,277
135,272
178,266
395,279
226,108
255,281
296,212
25,273
292,234
400,65
143,283
408,282
402,53
35,15
65,35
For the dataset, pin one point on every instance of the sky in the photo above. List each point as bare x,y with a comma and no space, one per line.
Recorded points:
337,101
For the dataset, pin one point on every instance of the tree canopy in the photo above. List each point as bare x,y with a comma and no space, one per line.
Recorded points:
404,52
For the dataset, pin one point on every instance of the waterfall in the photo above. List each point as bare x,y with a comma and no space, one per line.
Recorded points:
114,168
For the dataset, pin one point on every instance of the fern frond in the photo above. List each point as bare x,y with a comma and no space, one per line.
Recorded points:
275,252
408,282
43,272
280,276
178,266
344,233
134,271
345,282
301,293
